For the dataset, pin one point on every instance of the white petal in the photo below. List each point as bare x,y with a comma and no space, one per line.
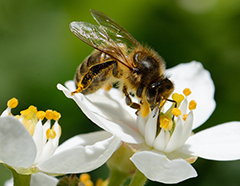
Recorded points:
175,139
150,129
192,75
141,124
46,126
187,129
50,147
221,142
183,107
48,150
39,178
81,159
159,142
108,112
38,137
16,145
83,140
6,112
157,167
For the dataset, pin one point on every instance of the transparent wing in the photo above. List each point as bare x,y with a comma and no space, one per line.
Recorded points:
114,30
97,37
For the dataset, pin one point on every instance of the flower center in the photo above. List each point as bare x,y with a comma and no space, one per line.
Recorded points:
166,123
166,120
31,116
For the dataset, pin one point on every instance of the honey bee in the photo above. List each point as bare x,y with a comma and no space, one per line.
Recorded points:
118,57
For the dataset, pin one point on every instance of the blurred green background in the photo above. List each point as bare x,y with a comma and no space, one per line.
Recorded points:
37,51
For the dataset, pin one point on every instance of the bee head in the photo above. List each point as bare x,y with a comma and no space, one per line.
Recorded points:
157,91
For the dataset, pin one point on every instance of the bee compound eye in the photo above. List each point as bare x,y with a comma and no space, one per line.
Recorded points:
151,93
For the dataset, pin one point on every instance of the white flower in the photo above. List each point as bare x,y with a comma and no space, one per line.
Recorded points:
165,155
29,146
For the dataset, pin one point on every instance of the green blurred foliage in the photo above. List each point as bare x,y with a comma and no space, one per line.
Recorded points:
37,51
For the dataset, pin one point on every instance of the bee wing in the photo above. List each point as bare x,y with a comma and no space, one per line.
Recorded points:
114,30
98,38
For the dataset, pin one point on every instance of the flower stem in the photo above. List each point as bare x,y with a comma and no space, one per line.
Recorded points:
117,178
138,179
19,179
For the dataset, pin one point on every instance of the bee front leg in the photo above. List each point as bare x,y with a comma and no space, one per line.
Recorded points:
129,101
93,72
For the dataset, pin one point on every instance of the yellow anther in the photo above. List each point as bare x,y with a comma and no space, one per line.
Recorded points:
49,114
166,122
28,113
187,92
41,115
178,97
50,133
185,117
60,130
192,105
176,112
12,103
88,183
100,182
84,177
32,109
56,115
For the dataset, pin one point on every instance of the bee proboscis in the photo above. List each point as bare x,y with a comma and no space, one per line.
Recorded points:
118,57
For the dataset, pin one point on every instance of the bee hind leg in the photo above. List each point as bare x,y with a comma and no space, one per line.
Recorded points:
93,72
129,101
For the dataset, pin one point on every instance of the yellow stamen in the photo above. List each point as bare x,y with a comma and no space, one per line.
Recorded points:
192,105
50,133
100,182
41,115
187,92
84,177
178,97
56,115
185,117
28,113
29,118
60,130
166,122
12,103
88,183
176,112
107,87
49,114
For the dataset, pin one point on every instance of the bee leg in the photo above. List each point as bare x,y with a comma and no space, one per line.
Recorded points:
129,101
94,71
